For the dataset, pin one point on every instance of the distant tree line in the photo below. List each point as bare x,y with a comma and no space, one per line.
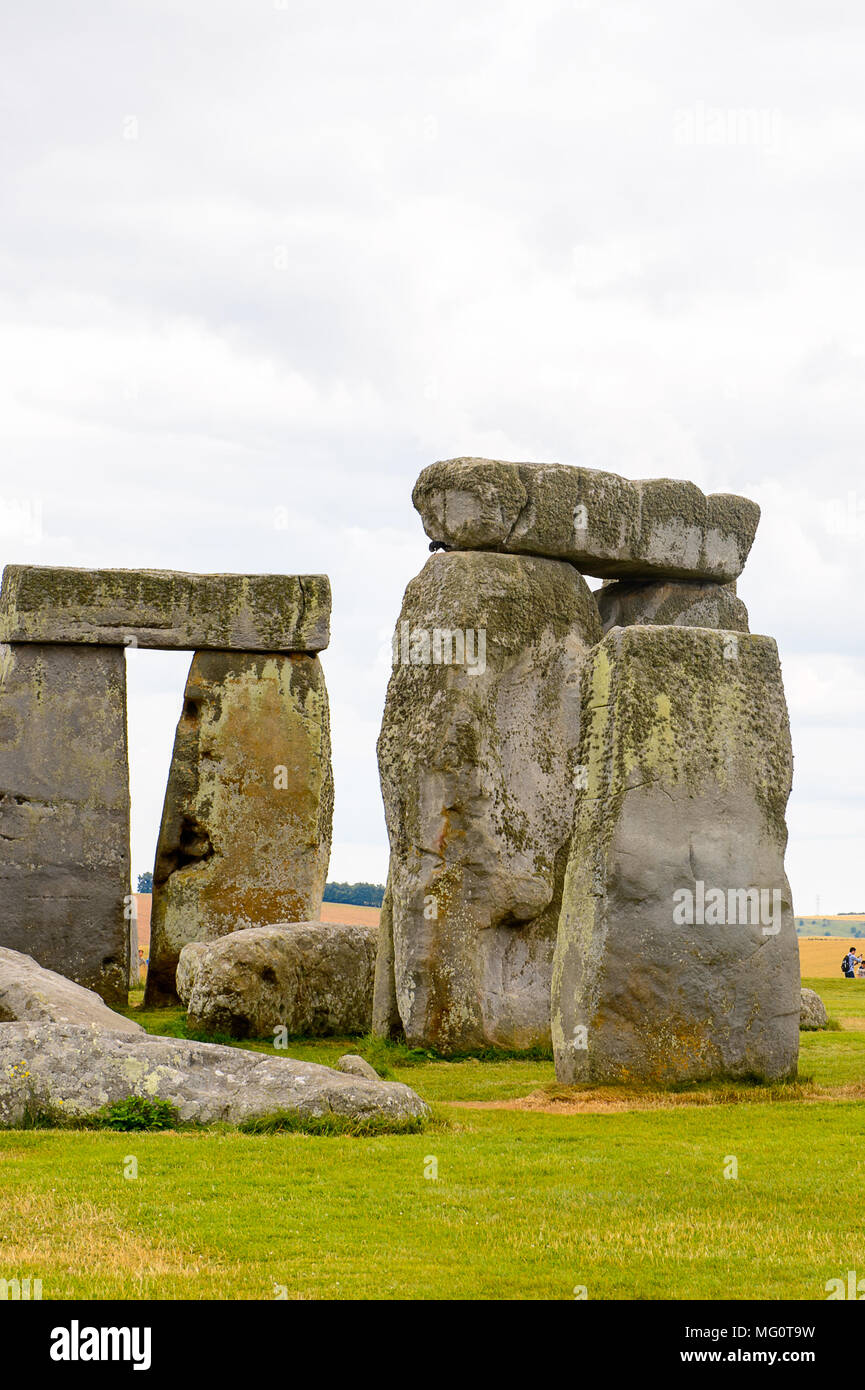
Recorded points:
363,894
812,926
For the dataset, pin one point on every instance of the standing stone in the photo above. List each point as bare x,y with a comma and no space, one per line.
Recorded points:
246,826
478,763
677,956
64,812
132,964
623,603
658,528
386,1021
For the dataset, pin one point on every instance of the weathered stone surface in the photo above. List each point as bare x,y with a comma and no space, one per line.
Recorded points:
604,524
246,827
671,603
78,1070
314,978
478,770
687,745
187,967
31,994
813,1012
386,1021
165,608
64,812
134,974
353,1065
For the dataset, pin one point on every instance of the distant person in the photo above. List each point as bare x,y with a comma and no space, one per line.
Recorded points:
861,970
848,965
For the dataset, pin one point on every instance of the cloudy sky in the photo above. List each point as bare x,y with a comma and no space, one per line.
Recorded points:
261,262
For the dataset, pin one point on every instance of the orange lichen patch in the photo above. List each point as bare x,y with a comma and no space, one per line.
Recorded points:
246,827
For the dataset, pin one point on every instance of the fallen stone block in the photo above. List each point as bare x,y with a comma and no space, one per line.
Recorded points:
165,608
31,994
311,978
187,967
75,1071
813,1012
605,525
246,826
478,763
624,603
677,956
64,812
353,1065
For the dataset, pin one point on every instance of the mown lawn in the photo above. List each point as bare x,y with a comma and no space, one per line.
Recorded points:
629,1204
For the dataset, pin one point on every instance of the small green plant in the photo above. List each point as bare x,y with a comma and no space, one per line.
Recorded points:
139,1112
38,1116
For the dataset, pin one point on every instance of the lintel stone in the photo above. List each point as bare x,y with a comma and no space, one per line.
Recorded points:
603,524
165,608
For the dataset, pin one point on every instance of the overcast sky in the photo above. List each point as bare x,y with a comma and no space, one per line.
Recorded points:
263,262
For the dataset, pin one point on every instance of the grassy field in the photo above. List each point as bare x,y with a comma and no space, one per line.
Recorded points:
622,1193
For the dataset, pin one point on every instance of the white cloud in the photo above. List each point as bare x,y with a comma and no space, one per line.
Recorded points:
349,240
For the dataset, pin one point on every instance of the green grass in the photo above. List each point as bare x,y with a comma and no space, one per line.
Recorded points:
632,1203
327,1126
845,997
528,1206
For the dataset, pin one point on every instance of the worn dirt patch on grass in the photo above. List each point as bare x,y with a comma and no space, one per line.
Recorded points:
47,1232
612,1101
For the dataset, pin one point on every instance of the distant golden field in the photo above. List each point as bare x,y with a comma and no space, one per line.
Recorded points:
353,915
821,955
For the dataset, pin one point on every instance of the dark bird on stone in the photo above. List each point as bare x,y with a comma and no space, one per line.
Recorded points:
438,545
